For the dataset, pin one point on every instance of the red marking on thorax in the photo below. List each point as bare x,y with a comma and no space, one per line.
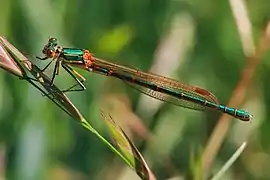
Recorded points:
88,58
50,53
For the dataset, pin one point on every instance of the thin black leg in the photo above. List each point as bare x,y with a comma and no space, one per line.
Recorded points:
40,58
56,67
73,74
44,58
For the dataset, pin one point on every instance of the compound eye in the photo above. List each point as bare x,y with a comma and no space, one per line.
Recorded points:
52,39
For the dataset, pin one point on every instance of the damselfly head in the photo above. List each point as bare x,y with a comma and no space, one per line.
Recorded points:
52,41
50,48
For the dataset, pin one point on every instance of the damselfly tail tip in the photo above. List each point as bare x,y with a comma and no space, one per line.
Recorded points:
248,118
245,116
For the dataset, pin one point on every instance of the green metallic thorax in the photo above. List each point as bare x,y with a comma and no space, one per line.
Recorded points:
73,55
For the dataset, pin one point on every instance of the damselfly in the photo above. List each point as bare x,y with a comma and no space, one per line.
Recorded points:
156,86
28,71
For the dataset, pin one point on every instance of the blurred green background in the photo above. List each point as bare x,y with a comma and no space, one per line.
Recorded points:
194,41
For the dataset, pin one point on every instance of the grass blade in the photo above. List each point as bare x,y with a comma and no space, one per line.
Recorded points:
128,149
43,83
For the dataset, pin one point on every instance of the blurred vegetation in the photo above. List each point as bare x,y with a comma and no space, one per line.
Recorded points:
39,141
